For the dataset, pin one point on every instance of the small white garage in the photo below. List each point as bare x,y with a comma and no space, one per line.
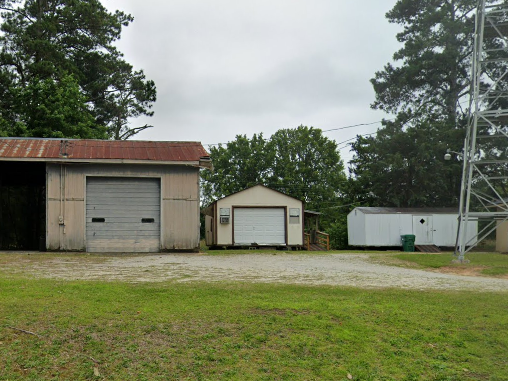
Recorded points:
257,216
378,227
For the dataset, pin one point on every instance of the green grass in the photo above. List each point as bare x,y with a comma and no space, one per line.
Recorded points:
490,263
241,331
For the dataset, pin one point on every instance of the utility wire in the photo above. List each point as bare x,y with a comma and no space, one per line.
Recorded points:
329,130
355,125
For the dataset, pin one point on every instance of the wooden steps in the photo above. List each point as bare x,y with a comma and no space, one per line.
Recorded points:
427,248
315,247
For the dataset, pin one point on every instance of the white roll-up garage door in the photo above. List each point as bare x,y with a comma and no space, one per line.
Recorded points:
122,214
261,226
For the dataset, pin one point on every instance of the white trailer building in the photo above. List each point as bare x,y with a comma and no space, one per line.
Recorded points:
383,226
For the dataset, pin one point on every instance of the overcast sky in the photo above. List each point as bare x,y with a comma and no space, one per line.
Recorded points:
228,67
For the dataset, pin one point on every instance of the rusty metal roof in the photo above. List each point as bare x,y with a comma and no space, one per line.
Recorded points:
100,150
383,210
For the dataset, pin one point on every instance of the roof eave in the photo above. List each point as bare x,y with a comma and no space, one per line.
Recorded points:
206,162
105,161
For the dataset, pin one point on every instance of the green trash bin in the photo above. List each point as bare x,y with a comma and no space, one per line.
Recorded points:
408,242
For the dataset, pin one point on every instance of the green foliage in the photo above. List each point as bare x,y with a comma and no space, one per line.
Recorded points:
307,165
55,109
434,61
240,164
426,91
338,233
67,47
490,263
406,168
300,162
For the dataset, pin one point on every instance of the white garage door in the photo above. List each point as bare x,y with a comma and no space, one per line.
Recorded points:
122,214
261,226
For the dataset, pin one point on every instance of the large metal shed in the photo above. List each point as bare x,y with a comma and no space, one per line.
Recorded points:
111,196
378,227
257,216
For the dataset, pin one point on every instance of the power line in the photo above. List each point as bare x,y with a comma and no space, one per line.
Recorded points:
329,130
355,125
347,145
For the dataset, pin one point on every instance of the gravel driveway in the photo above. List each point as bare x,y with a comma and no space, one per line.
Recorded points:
356,270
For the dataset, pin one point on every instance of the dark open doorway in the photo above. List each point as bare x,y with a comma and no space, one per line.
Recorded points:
22,205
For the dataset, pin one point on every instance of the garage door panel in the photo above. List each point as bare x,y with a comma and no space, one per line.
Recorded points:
125,200
124,216
123,245
127,210
123,233
125,182
114,225
130,212
261,226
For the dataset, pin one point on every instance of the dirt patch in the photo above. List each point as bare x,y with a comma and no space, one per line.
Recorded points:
468,271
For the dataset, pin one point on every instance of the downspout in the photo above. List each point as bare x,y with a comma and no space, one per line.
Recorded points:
61,217
63,174
199,211
64,197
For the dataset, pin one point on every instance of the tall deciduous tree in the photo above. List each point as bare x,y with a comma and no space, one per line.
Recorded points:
48,43
426,90
238,165
300,162
307,166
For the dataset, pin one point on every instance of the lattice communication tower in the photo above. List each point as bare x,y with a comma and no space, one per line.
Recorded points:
484,189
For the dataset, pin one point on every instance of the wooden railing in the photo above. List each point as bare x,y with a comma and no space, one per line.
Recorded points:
323,240
306,241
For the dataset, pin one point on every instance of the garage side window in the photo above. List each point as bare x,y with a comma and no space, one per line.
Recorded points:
294,215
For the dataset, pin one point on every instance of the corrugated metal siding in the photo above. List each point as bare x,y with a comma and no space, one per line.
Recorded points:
386,229
122,214
69,149
181,225
356,228
182,185
179,218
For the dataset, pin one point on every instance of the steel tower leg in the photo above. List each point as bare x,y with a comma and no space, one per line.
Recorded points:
484,187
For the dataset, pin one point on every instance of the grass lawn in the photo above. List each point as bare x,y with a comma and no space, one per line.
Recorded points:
242,331
492,264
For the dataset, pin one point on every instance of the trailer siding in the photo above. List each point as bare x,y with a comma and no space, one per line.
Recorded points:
374,227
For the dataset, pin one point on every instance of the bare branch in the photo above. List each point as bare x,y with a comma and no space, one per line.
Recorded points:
133,131
18,11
